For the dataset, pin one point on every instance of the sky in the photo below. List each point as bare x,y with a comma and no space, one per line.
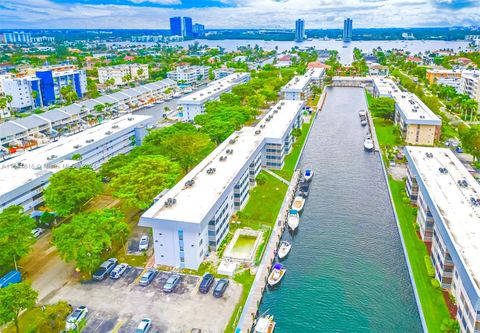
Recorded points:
154,14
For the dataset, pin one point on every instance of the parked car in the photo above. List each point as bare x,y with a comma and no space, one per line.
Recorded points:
147,277
144,326
118,271
104,270
76,317
37,232
220,287
207,282
143,245
171,283
459,150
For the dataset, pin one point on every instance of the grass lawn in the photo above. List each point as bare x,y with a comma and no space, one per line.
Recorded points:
264,203
386,133
246,280
433,304
291,159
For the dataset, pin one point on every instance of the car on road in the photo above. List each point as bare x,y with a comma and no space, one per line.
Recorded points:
104,270
207,281
37,232
118,271
220,287
143,244
172,283
147,277
76,317
144,326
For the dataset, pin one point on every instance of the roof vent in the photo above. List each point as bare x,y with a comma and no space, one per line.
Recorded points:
462,183
108,132
429,155
77,146
223,158
257,132
89,140
115,126
443,170
189,183
232,141
130,118
170,202
230,151
211,171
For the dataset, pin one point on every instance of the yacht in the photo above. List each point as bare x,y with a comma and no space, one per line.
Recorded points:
368,143
298,203
284,249
293,219
265,324
276,275
308,174
363,122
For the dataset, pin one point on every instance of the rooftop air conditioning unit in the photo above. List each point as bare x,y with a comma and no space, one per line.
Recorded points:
130,118
115,126
257,132
108,132
77,146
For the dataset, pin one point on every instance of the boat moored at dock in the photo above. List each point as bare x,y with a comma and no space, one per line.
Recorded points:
298,203
276,275
368,143
265,324
293,219
308,174
284,249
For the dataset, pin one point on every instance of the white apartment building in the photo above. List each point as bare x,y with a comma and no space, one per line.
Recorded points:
194,103
21,90
470,84
189,75
192,217
23,178
448,200
48,123
119,73
223,72
418,124
299,87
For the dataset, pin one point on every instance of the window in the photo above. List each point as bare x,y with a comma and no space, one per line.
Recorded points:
180,234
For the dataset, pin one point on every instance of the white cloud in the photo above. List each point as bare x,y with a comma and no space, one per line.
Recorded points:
242,14
160,2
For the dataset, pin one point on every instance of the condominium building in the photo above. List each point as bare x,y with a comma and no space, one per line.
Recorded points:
181,26
17,37
19,132
418,124
198,30
43,88
375,69
194,103
299,30
443,76
193,217
123,74
448,200
223,72
347,30
24,177
189,75
299,87
470,84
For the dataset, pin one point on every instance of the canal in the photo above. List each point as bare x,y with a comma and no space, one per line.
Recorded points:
346,271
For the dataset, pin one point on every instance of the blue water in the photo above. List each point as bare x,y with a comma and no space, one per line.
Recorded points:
346,271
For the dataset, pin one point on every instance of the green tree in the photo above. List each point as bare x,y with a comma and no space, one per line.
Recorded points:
15,236
14,299
450,326
86,238
109,169
297,132
76,157
46,219
383,107
53,319
138,182
471,141
70,189
68,94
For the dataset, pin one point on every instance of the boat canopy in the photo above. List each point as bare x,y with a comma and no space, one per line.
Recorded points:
293,211
278,266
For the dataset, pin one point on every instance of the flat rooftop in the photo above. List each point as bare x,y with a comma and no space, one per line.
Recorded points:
194,203
213,90
460,216
299,82
24,168
412,108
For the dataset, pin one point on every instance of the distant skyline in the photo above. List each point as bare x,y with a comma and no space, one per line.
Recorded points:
155,14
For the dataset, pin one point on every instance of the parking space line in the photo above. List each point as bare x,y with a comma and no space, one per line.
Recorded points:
137,280
118,325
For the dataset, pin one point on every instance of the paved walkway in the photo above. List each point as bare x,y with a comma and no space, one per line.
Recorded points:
277,176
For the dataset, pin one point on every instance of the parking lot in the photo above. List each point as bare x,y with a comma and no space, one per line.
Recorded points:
120,304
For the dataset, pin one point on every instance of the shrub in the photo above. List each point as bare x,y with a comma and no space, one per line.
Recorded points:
435,283
429,266
261,179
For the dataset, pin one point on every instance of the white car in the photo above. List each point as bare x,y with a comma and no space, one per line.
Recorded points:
76,317
144,326
37,232
143,245
118,271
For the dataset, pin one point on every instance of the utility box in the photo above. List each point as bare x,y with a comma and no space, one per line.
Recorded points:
11,277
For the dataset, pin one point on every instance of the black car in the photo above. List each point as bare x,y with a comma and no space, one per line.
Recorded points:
207,283
104,270
220,287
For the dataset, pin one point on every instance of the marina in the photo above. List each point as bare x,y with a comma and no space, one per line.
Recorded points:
346,268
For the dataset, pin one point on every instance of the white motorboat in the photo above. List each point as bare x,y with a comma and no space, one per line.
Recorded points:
308,174
368,143
362,114
276,275
298,203
293,219
363,123
284,249
265,324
